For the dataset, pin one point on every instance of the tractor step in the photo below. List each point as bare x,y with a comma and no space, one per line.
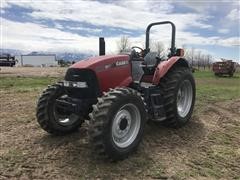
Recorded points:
157,106
154,100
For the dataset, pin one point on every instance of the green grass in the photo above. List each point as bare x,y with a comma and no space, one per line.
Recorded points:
211,88
25,84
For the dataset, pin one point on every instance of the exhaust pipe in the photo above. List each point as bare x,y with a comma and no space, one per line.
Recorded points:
101,46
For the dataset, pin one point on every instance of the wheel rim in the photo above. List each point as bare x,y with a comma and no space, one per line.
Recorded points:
126,125
62,117
184,98
67,120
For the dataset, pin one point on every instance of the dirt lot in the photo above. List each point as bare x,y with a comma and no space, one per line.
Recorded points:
32,72
207,148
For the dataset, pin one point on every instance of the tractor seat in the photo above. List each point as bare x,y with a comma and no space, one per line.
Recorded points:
150,62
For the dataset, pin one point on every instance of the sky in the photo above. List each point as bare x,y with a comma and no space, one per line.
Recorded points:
212,27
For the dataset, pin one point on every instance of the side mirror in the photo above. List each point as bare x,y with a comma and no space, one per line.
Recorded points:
180,52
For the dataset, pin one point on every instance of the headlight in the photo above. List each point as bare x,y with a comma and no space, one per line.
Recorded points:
75,84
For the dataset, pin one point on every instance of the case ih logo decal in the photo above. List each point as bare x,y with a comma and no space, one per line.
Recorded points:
121,63
115,64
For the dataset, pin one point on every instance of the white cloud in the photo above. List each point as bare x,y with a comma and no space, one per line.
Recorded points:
232,41
90,30
58,26
147,5
199,5
234,15
4,4
119,14
223,31
187,38
33,37
123,14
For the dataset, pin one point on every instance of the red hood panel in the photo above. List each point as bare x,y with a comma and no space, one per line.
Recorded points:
92,62
109,70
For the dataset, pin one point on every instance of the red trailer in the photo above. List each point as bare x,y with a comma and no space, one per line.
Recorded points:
225,67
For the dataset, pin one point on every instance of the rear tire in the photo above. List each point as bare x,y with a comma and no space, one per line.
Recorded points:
178,90
117,123
47,116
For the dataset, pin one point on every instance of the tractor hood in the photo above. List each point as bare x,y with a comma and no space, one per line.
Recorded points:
110,71
101,61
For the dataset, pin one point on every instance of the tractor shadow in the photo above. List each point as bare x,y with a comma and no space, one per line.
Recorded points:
227,77
74,151
187,137
48,141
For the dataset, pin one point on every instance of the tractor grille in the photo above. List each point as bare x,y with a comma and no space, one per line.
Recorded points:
83,75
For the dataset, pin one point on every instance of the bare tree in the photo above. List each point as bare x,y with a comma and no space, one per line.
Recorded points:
186,51
199,59
209,60
192,56
204,61
159,48
124,44
189,54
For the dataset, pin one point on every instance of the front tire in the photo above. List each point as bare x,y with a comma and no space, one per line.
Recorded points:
178,90
52,119
117,123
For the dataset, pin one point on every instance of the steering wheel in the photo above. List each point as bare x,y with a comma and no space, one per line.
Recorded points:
136,47
138,54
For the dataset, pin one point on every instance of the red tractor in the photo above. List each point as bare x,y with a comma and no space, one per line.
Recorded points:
102,91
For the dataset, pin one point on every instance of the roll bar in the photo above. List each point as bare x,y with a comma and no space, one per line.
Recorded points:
173,48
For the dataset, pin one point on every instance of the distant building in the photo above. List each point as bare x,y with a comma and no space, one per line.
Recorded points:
40,60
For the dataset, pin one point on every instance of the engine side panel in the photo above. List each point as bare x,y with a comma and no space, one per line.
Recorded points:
111,71
164,67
